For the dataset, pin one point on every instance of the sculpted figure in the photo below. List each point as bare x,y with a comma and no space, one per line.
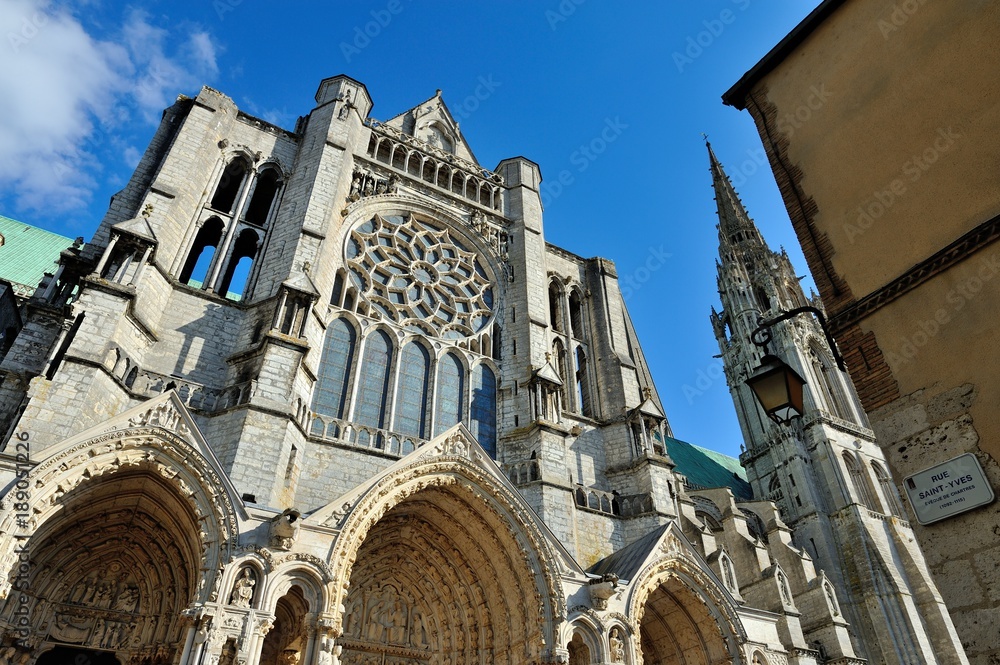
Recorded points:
355,187
617,646
418,633
243,590
396,624
127,600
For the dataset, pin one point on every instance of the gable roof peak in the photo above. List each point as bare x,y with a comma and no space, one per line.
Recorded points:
432,122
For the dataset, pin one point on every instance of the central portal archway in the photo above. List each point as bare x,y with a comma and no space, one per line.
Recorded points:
441,579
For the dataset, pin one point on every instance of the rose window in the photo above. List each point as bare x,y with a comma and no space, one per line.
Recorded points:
420,276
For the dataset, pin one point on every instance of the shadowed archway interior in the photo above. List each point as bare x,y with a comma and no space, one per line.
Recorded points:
441,580
68,656
678,629
113,569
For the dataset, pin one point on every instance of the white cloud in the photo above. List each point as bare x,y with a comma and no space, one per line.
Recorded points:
62,90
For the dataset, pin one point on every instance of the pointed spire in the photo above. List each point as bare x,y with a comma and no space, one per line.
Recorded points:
734,221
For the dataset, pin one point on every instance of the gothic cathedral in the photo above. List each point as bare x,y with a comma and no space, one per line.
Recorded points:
327,397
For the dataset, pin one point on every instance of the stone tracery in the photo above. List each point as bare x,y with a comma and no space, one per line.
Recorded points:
414,273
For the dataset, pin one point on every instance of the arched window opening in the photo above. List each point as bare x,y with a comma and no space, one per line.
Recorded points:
860,481
266,188
559,361
428,170
579,652
338,289
450,392
555,307
199,260
411,397
132,375
582,383
576,315
330,394
229,186
774,488
382,154
762,298
484,409
240,264
888,490
399,158
373,380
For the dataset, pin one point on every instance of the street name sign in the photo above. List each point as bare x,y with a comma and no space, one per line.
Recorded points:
948,489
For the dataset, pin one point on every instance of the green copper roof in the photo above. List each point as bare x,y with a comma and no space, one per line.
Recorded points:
27,253
707,468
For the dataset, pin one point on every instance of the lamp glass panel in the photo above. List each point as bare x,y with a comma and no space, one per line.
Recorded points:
771,389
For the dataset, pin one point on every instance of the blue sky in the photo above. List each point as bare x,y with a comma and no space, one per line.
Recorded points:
609,98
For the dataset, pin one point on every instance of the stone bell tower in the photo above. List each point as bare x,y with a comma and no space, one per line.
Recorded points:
825,471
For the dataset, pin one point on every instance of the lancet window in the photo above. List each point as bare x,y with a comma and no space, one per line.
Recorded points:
372,390
231,230
391,381
859,478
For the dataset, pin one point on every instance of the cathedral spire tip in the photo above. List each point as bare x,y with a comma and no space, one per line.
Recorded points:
734,220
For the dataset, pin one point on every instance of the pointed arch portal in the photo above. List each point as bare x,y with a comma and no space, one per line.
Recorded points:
130,527
114,568
437,582
677,629
682,615
449,570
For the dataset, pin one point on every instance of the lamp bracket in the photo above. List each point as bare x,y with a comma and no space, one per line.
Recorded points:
761,335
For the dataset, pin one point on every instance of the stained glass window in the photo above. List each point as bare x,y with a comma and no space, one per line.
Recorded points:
484,408
373,380
450,391
334,369
419,272
411,398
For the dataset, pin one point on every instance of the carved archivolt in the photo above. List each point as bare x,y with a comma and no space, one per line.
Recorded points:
427,493
128,528
695,590
146,448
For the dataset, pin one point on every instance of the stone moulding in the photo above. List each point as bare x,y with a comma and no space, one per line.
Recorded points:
157,438
453,460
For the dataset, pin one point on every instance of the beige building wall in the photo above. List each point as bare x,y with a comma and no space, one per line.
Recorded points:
879,119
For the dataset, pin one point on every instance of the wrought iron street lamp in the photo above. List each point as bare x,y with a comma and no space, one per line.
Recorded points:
777,386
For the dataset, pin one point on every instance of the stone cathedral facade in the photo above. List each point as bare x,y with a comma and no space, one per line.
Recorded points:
326,396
